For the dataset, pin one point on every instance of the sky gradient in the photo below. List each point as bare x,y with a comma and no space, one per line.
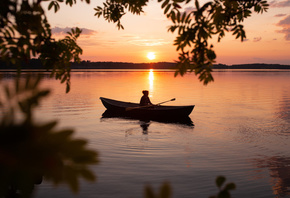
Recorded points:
268,35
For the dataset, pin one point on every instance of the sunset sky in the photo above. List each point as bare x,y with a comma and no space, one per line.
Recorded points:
268,35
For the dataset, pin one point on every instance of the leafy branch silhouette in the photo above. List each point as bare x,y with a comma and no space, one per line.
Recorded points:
30,151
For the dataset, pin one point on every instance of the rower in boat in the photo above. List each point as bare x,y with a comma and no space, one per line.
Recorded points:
145,100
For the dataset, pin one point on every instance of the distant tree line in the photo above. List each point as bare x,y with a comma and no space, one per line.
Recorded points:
36,64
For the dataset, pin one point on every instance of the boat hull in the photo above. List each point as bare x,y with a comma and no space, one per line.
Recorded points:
157,112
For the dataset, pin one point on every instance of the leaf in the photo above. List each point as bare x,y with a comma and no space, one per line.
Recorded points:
197,4
230,186
149,192
165,3
71,177
47,127
50,5
56,7
88,175
165,190
67,88
27,83
173,17
64,78
62,136
167,8
7,92
224,194
43,93
211,54
178,16
220,181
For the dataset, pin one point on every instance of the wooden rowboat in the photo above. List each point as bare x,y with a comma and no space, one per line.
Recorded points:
134,110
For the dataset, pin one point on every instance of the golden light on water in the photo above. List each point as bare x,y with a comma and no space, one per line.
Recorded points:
151,80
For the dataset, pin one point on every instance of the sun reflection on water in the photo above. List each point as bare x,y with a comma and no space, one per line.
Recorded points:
151,80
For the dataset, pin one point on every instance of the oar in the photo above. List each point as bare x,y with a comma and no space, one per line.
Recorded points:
166,101
131,108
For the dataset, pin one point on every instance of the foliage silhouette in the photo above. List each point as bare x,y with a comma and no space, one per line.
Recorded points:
165,190
30,151
223,192
26,33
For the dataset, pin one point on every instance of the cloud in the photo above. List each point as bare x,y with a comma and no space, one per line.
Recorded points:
149,42
257,39
285,24
280,15
285,31
189,9
63,31
90,42
130,36
86,31
186,10
279,3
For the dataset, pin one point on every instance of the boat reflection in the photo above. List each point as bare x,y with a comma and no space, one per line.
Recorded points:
145,123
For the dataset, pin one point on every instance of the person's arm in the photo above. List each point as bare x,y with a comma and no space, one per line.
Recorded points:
149,101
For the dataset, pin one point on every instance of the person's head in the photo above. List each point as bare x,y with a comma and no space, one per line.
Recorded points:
145,92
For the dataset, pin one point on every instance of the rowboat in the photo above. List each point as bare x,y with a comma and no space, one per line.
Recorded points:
134,110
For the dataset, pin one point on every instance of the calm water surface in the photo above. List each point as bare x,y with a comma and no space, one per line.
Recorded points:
242,131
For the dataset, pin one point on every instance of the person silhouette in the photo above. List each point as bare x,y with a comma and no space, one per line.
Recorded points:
145,100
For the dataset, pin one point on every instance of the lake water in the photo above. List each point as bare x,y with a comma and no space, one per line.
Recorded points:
241,130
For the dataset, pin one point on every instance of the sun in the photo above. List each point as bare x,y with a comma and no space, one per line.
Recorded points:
151,55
